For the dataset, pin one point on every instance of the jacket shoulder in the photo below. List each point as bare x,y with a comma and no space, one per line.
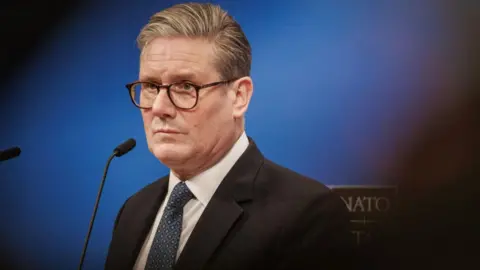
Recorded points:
291,182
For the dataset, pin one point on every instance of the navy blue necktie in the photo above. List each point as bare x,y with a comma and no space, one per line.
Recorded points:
164,248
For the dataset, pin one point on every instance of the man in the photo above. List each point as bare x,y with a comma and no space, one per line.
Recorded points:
223,205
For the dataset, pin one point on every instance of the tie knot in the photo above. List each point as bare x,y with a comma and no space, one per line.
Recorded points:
181,194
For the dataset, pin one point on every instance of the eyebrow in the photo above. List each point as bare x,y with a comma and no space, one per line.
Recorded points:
180,76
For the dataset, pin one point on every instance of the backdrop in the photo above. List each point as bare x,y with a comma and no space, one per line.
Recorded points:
339,90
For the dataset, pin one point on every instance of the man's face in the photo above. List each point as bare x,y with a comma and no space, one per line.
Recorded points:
176,136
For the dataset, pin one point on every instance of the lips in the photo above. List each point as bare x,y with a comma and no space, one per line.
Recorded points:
166,131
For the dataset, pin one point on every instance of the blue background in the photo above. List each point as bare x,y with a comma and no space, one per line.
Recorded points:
339,90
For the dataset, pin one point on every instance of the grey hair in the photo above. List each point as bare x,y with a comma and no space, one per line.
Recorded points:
232,50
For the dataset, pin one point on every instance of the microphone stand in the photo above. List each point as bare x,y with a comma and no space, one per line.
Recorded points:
95,208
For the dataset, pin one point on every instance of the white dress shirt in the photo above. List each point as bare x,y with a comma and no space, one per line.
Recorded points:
203,187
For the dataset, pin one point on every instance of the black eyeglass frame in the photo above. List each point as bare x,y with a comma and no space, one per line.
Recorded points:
130,87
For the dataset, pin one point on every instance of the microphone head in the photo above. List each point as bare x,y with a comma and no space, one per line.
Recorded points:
125,147
10,153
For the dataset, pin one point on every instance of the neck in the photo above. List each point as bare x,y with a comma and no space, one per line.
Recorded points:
215,155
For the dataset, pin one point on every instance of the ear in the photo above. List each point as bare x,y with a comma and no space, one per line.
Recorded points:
243,90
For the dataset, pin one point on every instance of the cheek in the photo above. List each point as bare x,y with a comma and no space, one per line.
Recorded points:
207,125
147,121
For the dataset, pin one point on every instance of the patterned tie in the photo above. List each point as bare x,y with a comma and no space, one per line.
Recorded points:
164,248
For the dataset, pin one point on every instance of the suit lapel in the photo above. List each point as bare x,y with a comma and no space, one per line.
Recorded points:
223,210
146,215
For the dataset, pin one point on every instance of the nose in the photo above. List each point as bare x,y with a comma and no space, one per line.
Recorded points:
163,106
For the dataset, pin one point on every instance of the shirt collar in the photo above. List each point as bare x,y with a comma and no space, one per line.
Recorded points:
204,185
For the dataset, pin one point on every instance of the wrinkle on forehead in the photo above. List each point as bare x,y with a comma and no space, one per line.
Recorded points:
163,49
167,55
174,66
173,56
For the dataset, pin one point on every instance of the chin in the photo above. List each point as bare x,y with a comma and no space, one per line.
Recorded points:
171,153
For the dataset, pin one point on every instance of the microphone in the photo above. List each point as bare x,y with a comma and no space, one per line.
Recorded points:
119,151
124,148
10,153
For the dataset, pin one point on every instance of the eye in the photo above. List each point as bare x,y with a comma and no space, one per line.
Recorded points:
184,86
147,85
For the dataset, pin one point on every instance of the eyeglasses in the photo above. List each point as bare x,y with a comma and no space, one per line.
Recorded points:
183,95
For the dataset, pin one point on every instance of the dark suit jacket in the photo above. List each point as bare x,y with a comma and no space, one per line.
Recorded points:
262,216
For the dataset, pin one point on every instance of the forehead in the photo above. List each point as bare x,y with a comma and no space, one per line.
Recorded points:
163,58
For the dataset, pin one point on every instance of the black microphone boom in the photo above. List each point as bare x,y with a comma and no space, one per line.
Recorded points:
124,148
119,151
10,153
